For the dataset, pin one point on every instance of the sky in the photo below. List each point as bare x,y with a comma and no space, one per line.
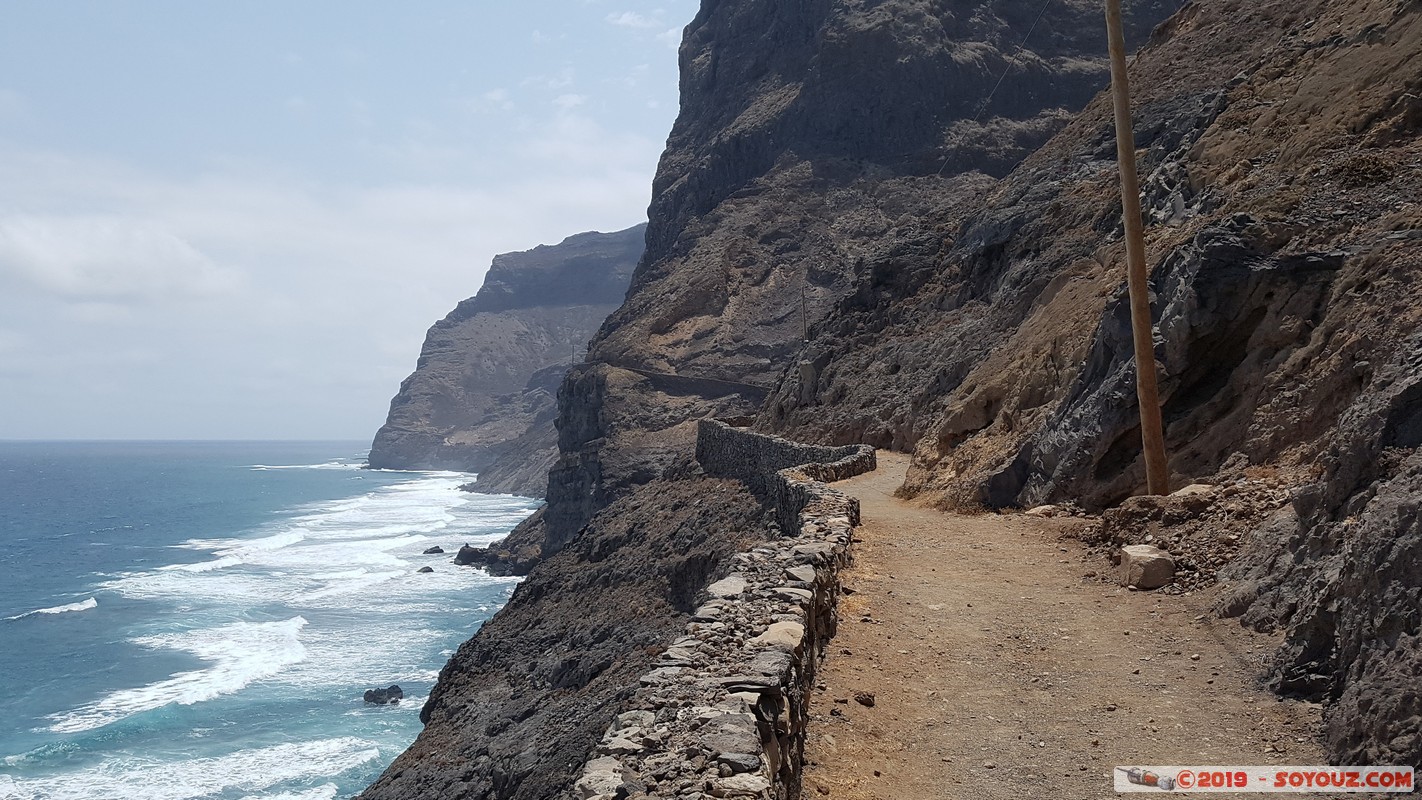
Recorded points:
237,220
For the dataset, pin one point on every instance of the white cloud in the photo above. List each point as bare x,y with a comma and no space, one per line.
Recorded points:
631,19
106,257
568,102
110,260
671,37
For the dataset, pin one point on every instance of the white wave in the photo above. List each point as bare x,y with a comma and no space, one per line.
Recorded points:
246,771
82,605
240,654
204,566
359,583
344,465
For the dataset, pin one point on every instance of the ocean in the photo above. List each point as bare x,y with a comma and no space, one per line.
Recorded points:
200,619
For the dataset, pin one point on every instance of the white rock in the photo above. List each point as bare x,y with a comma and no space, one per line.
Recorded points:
1146,567
634,719
745,785
784,635
601,777
730,586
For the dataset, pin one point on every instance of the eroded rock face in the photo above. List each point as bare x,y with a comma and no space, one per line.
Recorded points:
1286,259
489,372
1340,571
822,144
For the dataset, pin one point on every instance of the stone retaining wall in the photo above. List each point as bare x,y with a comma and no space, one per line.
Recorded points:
760,462
723,713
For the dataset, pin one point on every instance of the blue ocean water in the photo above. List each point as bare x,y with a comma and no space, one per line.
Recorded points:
200,619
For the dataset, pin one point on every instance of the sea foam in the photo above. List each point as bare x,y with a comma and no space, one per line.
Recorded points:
82,605
240,653
246,771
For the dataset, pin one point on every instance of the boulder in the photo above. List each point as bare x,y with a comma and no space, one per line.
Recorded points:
730,586
1146,567
434,551
740,762
380,697
425,569
470,555
785,635
601,777
744,785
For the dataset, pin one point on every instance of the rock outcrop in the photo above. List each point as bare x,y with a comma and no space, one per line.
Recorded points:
820,145
391,695
488,374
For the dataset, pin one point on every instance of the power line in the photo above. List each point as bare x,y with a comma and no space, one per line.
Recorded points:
987,101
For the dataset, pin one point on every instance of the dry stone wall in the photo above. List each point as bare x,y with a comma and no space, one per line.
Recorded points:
724,711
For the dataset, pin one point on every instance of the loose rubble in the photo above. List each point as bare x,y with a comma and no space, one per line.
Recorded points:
1201,526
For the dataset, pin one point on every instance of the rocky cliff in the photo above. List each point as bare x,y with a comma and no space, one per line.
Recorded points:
1279,155
816,138
854,239
488,373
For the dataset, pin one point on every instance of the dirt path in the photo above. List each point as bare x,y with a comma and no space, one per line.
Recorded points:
1000,669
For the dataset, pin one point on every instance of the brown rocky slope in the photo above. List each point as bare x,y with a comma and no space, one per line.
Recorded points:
816,139
488,373
1280,159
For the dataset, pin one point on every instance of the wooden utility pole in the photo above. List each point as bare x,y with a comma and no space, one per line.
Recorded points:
1147,392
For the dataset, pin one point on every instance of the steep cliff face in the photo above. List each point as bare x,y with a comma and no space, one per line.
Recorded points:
1279,151
488,373
815,139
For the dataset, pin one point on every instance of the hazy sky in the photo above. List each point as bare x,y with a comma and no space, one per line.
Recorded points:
236,220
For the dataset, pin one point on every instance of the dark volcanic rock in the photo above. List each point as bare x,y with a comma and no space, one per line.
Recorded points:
489,371
1341,571
511,556
432,551
820,145
425,569
519,707
380,697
